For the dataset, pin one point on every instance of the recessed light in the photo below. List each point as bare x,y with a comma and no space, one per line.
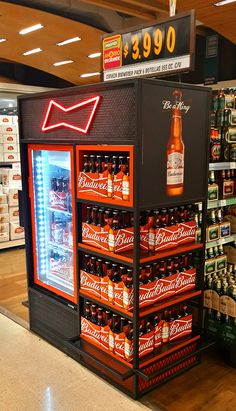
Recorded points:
60,63
72,40
224,2
31,28
90,74
2,40
27,53
94,55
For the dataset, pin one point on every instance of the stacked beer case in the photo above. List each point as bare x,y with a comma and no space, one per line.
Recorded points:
131,310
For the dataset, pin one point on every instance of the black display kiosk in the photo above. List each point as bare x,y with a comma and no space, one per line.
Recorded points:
144,120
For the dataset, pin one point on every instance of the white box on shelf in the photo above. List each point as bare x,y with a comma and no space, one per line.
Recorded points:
4,236
1,147
3,208
10,148
10,138
16,166
15,120
3,199
11,177
14,214
8,129
4,218
16,231
4,228
9,157
1,156
1,138
6,120
13,197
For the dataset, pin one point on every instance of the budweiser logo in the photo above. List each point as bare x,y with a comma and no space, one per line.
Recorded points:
185,279
183,232
90,282
180,327
85,181
89,329
146,344
165,236
160,288
89,234
57,200
123,239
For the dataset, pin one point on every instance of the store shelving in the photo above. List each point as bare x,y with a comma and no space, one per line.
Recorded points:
221,203
223,240
222,166
12,243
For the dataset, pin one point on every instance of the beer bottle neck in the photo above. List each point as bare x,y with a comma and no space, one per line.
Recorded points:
176,124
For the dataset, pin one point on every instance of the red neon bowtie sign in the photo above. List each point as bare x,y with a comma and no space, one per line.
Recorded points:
52,104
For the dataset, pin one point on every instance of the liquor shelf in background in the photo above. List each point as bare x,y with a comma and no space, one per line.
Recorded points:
222,166
224,240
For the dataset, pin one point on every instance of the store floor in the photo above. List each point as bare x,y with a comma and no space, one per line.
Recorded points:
36,376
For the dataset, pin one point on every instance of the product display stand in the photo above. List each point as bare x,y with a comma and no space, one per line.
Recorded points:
141,122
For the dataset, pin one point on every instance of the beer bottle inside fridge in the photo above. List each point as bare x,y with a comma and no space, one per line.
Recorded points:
175,151
125,182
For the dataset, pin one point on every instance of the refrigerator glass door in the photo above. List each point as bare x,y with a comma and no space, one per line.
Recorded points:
53,219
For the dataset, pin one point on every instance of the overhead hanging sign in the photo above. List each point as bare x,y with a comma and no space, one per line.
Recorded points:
168,46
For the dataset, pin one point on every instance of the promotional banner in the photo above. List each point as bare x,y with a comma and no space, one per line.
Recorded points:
159,49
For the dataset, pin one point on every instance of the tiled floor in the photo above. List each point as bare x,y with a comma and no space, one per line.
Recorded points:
34,376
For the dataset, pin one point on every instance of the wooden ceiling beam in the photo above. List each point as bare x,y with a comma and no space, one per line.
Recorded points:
152,5
123,7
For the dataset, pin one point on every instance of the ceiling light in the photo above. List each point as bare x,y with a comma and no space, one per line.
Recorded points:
27,53
224,2
94,55
2,40
31,28
10,105
90,74
72,40
60,63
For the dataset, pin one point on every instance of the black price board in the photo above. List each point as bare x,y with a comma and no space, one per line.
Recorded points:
162,48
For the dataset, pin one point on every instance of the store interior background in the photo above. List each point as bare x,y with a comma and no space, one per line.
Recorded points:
34,73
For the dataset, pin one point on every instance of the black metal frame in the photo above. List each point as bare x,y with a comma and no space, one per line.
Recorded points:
71,346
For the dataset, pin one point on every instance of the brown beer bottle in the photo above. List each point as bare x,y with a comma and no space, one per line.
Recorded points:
175,151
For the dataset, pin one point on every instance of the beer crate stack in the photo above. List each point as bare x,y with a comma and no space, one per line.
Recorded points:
220,268
9,139
139,187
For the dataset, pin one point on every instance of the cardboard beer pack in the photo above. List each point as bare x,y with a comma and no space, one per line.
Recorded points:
91,235
91,331
119,348
185,281
181,327
88,183
104,336
157,290
117,185
90,283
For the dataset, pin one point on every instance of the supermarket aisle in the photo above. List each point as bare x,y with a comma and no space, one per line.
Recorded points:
36,376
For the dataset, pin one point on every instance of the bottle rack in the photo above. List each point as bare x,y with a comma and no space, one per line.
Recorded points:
130,130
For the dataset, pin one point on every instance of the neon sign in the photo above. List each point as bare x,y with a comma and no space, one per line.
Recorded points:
53,104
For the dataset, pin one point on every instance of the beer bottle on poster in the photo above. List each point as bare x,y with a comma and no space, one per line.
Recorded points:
175,151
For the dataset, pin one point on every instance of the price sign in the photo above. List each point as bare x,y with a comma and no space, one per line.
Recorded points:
159,49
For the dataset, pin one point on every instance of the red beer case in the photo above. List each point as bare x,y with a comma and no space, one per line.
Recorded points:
90,330
91,235
181,327
90,283
88,183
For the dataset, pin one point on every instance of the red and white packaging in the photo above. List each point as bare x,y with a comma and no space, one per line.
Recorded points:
8,129
5,120
120,344
124,240
90,330
11,177
158,334
104,337
10,148
4,218
102,184
3,199
3,208
129,350
88,183
117,185
186,232
181,327
10,157
157,290
185,281
104,288
118,294
166,238
146,344
90,283
16,231
91,235
14,214
104,238
144,237
13,197
10,139
58,200
128,298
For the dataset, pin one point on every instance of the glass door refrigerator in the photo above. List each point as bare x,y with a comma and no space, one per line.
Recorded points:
51,185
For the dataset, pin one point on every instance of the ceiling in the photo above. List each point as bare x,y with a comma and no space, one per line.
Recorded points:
106,14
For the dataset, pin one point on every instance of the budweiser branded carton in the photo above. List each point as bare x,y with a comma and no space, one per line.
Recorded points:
119,348
16,231
144,243
91,235
104,237
10,139
9,157
146,344
104,337
11,177
3,208
1,154
8,129
102,184
118,294
10,148
90,283
3,199
13,197
166,238
157,290
128,298
117,241
158,334
187,232
104,287
91,331
58,200
180,328
4,218
129,349
185,281
117,185
14,214
5,120
88,183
